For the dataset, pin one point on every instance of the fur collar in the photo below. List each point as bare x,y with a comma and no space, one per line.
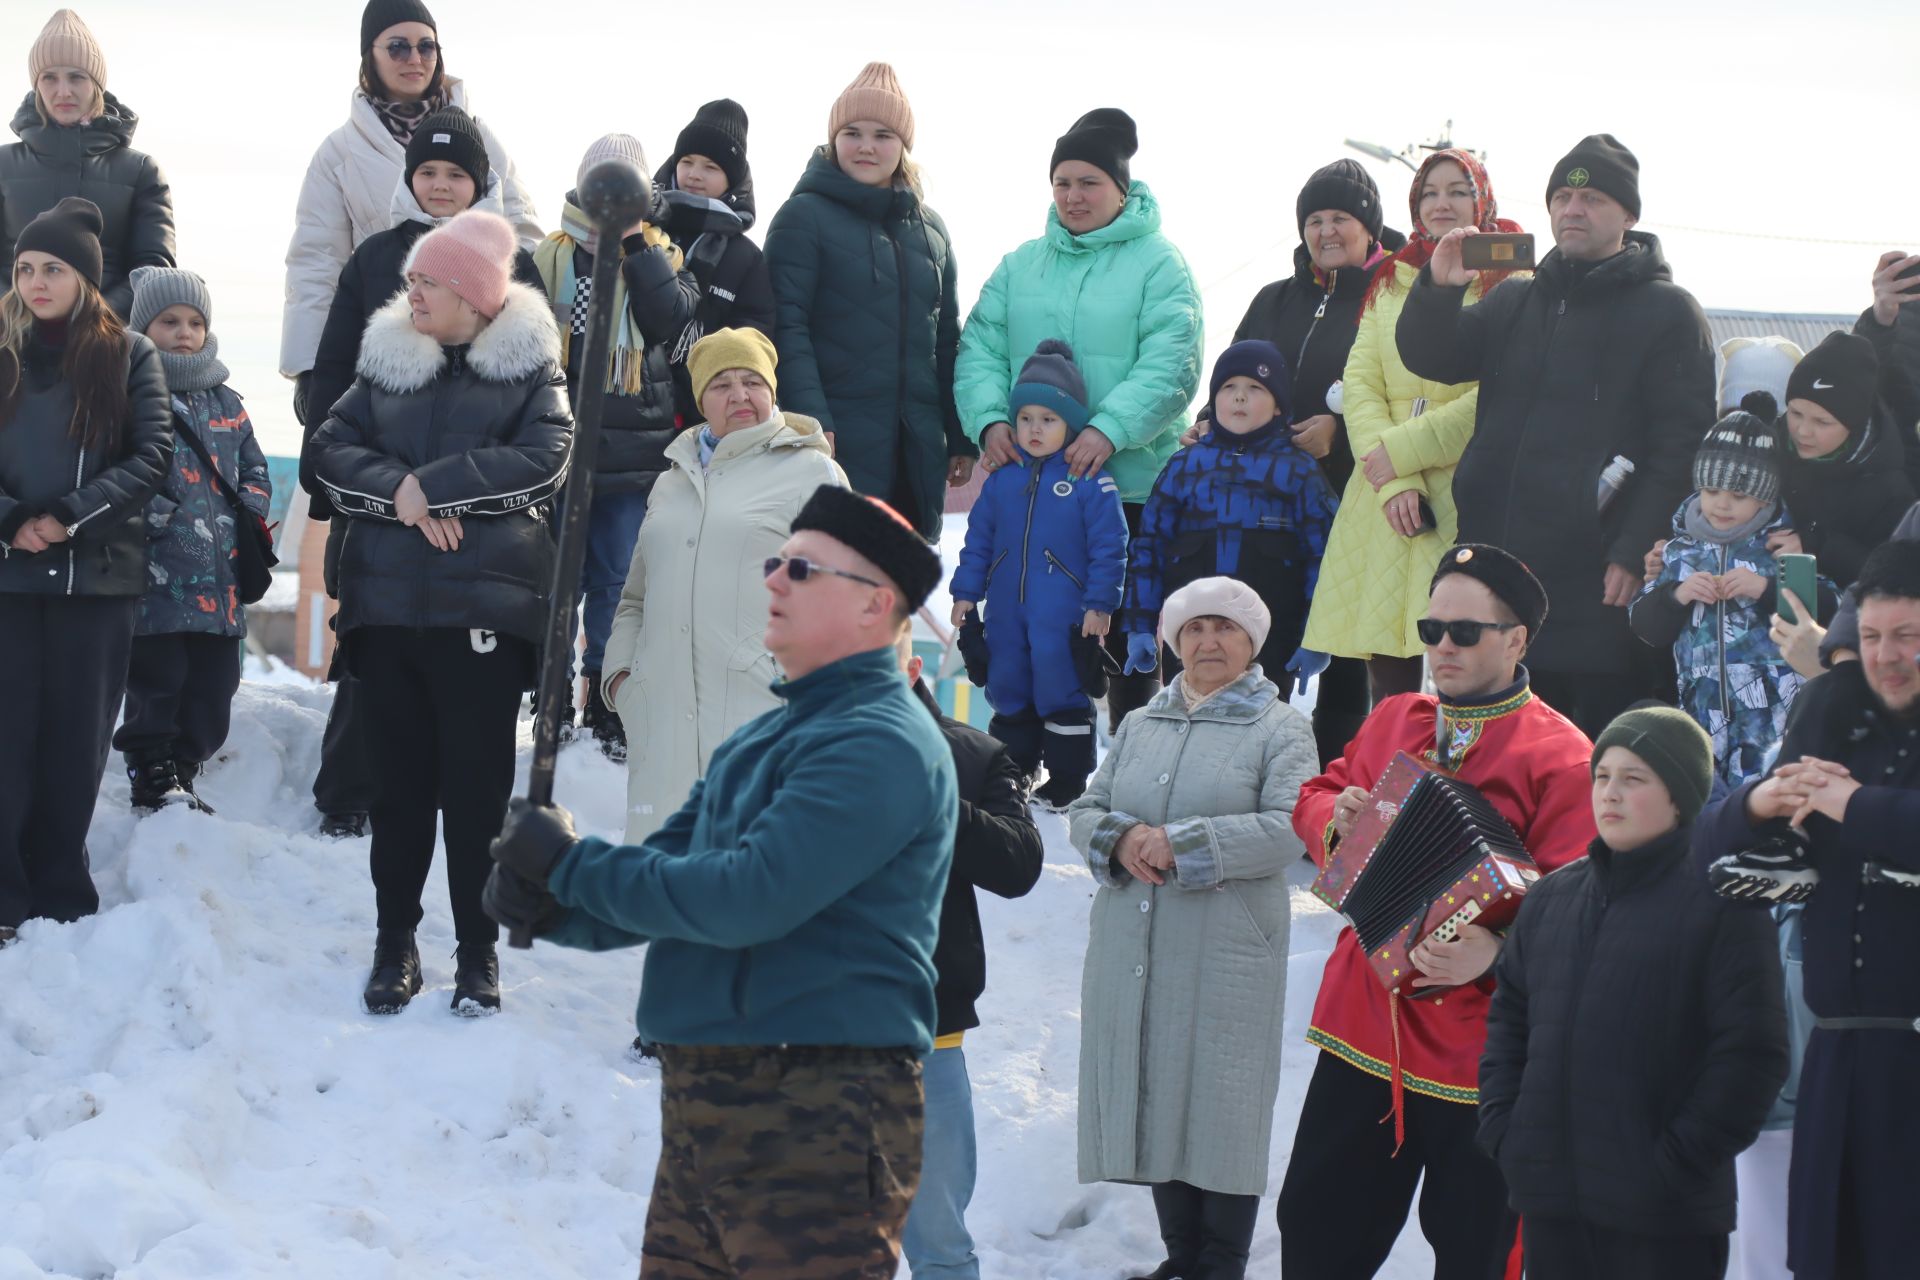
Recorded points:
521,341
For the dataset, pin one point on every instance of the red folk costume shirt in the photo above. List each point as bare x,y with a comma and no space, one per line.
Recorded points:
1531,763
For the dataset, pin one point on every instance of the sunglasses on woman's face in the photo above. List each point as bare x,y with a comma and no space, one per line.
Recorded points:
1463,632
799,569
401,51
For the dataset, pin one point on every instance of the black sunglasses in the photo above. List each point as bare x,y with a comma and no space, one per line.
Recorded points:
1463,632
401,51
799,568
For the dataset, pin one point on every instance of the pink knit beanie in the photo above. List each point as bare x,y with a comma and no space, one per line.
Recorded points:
471,255
875,94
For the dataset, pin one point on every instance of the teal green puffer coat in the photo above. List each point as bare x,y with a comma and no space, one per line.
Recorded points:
1127,303
867,325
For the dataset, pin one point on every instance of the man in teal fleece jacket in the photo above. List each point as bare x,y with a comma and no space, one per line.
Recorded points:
792,906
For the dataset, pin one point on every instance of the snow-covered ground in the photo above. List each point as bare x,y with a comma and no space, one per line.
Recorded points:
188,1087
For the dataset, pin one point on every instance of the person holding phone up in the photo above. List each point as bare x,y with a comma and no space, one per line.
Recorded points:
1598,355
1397,516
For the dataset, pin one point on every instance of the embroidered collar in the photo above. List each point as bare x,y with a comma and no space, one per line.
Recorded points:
1458,725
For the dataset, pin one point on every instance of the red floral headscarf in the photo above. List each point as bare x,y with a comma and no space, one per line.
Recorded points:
1420,244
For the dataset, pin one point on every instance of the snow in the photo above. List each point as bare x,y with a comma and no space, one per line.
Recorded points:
188,1087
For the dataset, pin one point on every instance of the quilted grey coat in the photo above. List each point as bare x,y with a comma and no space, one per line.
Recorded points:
1185,983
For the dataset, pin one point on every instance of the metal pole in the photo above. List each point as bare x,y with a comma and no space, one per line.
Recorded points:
615,195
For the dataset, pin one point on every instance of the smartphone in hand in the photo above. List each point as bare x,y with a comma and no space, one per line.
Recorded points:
1498,251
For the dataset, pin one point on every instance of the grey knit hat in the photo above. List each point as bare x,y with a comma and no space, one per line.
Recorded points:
1051,380
1740,454
614,146
157,288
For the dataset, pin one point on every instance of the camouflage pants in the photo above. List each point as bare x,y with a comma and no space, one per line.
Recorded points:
783,1164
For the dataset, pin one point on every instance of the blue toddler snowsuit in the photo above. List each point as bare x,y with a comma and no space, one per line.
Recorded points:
1041,550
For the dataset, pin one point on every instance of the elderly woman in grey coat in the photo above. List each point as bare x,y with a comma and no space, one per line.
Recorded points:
1187,827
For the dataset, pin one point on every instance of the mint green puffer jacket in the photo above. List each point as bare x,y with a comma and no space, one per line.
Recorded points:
1127,303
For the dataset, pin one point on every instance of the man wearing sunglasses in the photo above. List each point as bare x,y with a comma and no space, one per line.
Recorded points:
792,905
1484,609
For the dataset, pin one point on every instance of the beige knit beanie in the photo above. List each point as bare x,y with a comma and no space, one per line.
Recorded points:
613,146
875,94
66,42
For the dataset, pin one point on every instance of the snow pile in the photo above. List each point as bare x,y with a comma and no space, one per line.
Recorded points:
188,1087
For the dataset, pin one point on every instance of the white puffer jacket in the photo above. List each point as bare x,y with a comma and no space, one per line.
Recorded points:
347,196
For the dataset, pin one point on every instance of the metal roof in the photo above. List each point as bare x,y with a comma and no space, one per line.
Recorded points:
1804,329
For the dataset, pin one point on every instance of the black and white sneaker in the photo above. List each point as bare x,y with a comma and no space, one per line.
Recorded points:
155,785
1776,871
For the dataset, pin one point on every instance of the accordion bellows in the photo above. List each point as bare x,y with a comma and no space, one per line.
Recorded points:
1428,854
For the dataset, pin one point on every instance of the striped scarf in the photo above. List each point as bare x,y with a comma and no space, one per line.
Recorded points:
553,258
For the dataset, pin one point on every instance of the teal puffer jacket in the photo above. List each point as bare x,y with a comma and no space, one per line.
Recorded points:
867,325
1127,303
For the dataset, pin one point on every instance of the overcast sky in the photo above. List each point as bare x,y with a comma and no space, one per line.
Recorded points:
1792,121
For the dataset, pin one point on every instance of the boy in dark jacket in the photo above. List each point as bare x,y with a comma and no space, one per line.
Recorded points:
996,847
654,299
705,193
1242,502
1046,553
1637,1035
1715,592
186,646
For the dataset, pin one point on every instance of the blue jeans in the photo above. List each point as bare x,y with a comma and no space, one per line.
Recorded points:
936,1240
613,526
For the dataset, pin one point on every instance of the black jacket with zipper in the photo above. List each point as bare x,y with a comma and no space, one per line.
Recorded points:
996,848
486,431
368,282
735,290
1575,365
1636,1041
97,161
99,494
1314,327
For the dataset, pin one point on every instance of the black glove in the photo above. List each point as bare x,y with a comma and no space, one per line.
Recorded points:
972,644
518,905
685,216
1091,660
533,839
300,383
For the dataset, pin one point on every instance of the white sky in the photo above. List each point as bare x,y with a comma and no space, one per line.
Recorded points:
1792,120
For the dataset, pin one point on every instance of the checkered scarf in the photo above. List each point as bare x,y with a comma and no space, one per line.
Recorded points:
571,294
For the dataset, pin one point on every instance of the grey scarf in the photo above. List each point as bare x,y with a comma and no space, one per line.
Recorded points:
201,371
1701,530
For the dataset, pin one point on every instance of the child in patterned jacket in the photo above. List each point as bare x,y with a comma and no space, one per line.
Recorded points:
187,642
1714,595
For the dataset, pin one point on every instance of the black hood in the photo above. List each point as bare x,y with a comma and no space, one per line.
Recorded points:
112,129
739,197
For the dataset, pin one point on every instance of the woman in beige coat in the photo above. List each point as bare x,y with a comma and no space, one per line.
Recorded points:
1187,827
686,662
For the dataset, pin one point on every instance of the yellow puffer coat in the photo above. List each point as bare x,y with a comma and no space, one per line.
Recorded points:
1373,582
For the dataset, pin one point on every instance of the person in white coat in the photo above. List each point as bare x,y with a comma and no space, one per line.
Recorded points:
349,189
687,662
1187,828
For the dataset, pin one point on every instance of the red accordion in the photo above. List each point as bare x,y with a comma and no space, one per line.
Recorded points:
1427,855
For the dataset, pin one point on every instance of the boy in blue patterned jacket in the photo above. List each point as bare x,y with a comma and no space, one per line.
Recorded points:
185,664
1243,502
1715,594
1046,552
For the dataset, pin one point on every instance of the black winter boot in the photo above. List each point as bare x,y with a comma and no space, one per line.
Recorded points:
1178,1206
343,826
188,772
1066,747
600,719
1226,1235
155,784
396,972
476,980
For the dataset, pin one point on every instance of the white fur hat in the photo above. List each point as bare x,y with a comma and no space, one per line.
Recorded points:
1755,364
1215,598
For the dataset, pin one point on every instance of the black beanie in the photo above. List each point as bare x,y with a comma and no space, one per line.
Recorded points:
1599,161
718,132
879,533
381,14
1344,184
1503,574
70,231
1840,376
450,134
1674,746
1105,138
1741,454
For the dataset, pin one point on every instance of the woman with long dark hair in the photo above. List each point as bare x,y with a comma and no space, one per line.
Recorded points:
86,436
